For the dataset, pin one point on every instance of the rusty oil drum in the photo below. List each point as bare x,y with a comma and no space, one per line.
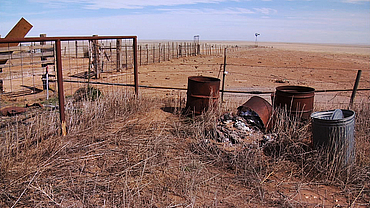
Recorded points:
263,109
202,93
298,100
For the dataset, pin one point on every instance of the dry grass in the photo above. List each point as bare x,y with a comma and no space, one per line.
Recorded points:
122,152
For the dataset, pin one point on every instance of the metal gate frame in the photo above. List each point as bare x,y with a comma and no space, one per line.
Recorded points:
58,41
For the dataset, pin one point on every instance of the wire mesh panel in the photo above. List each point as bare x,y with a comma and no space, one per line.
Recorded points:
52,70
104,64
27,72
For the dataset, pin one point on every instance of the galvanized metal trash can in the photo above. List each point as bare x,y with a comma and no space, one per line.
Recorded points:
337,135
203,92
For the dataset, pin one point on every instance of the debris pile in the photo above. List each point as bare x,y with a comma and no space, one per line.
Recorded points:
232,129
248,125
244,128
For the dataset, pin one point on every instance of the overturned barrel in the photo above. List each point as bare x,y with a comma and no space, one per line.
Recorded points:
262,108
335,133
298,100
202,93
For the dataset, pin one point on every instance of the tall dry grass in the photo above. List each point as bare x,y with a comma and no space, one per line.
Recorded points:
292,151
118,153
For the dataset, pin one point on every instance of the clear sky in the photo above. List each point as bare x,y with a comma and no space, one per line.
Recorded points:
306,21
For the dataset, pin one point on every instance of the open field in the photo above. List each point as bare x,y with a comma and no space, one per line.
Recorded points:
323,67
127,151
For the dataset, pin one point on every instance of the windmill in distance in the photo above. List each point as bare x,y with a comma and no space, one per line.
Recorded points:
256,34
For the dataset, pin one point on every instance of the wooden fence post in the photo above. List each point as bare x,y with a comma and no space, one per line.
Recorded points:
140,53
147,54
119,55
159,53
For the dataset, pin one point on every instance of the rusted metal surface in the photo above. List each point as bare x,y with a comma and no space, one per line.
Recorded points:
58,40
298,100
11,111
136,73
202,93
260,106
38,39
60,87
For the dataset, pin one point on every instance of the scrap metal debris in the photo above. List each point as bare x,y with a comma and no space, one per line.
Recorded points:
248,125
13,110
252,118
233,129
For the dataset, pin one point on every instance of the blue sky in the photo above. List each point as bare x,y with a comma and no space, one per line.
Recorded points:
306,21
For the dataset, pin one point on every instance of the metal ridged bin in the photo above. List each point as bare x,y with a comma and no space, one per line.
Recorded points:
337,135
202,92
298,100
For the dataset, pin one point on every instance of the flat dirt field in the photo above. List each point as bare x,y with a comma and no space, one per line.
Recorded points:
263,68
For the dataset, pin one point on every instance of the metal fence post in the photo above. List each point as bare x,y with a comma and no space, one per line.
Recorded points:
355,88
136,74
60,87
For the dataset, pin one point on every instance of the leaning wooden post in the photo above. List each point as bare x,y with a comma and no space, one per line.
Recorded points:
136,74
355,88
60,87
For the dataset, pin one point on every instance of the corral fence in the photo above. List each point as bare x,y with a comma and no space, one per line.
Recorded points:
158,52
38,69
53,69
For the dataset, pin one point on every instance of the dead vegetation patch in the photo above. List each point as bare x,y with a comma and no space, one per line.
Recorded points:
124,151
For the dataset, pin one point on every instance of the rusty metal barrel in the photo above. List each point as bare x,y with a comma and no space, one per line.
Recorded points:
202,93
336,134
260,106
298,100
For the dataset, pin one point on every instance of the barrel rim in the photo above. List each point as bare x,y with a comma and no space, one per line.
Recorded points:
206,79
300,89
348,116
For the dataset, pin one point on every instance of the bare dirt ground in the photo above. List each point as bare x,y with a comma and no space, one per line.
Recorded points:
263,68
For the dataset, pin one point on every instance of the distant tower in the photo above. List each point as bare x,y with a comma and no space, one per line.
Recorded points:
256,34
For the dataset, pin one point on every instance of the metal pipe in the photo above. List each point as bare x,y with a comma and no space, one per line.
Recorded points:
39,39
47,82
60,87
355,89
136,74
